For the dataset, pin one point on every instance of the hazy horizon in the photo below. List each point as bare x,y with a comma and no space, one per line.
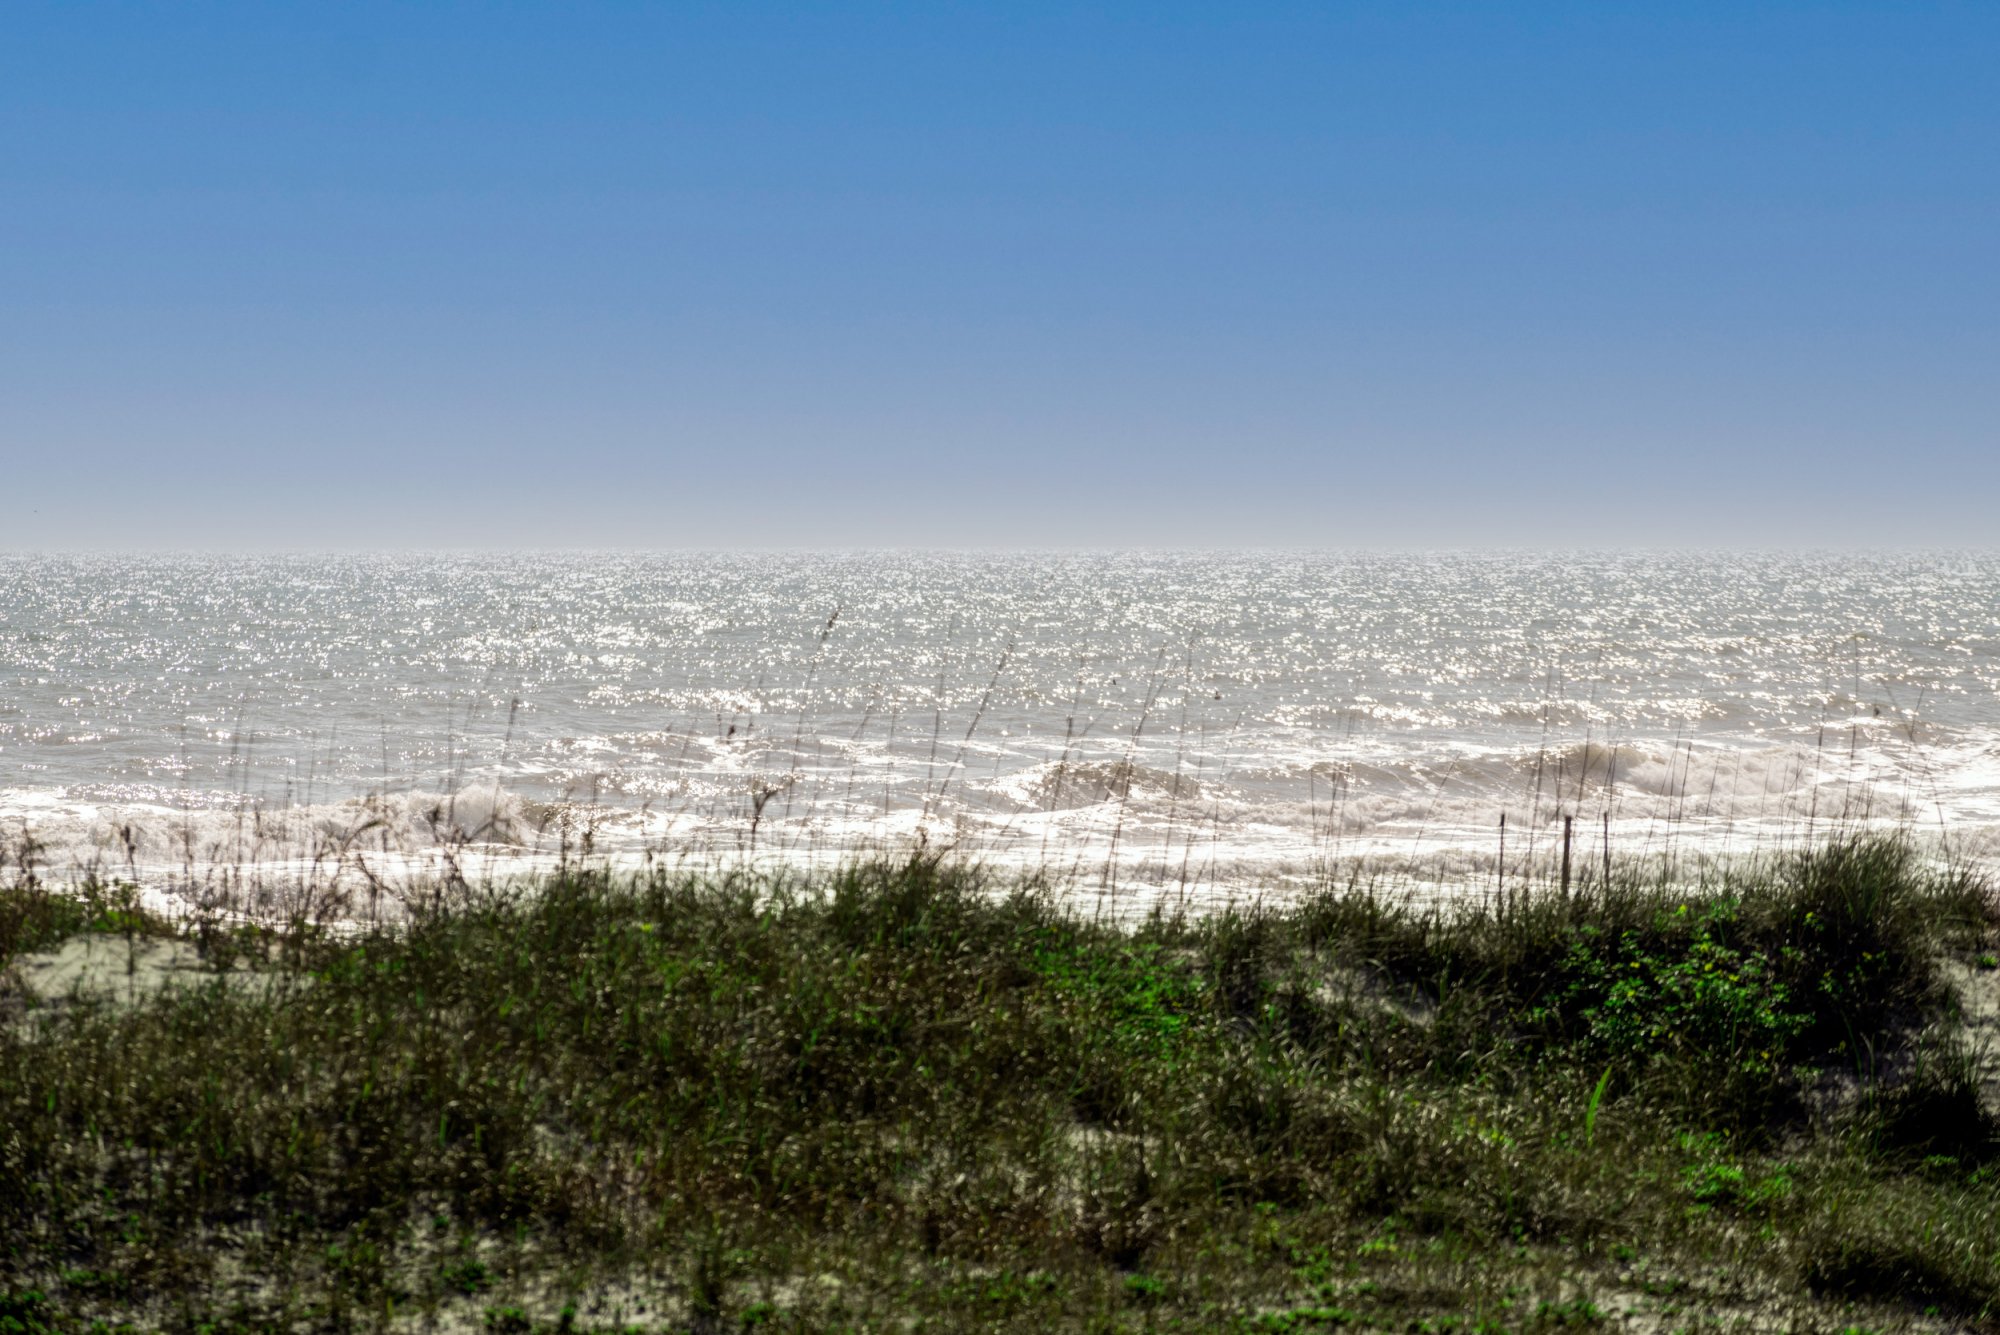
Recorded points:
1497,550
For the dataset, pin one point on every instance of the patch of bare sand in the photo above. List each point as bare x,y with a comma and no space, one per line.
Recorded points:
1978,989
114,970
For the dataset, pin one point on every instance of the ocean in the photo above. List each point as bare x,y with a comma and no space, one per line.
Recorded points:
1134,725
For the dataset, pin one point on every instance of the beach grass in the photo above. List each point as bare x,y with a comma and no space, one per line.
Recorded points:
913,1095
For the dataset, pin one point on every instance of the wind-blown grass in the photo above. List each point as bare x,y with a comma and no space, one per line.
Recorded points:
909,1093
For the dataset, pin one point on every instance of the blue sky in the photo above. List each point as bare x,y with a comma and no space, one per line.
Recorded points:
675,275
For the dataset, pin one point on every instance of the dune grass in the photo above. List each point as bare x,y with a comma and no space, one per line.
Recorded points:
908,1096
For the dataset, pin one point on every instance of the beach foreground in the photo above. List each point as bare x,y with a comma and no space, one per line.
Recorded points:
909,1096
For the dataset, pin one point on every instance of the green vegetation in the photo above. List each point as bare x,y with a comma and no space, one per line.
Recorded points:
906,1096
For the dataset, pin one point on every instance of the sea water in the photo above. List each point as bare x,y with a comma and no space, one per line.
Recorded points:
1145,723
